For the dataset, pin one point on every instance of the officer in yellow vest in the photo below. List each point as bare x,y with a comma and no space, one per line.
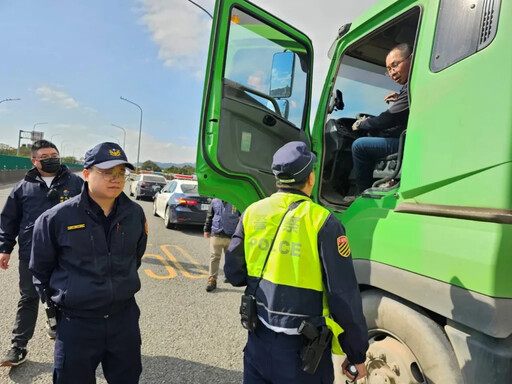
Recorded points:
295,260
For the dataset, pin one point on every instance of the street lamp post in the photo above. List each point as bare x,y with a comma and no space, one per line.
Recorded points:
33,130
140,131
1,101
62,146
52,136
198,6
124,130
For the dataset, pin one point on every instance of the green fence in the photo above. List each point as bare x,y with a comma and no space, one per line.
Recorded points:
11,163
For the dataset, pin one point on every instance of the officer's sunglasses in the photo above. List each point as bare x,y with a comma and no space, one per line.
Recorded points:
111,175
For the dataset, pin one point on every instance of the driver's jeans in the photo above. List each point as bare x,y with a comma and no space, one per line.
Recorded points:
365,153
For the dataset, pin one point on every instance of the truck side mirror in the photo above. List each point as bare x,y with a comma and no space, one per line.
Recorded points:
281,80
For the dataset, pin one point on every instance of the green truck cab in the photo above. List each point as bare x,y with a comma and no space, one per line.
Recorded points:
432,239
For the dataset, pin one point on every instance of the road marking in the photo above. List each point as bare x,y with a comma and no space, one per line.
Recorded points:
179,266
174,261
172,272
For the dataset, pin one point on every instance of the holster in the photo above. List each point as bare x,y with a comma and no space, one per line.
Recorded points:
248,313
50,309
317,339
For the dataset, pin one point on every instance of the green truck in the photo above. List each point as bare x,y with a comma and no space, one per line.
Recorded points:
432,238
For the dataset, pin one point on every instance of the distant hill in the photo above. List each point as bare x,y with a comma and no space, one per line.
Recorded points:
167,165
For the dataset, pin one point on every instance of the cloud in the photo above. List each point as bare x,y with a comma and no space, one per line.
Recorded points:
181,32
57,97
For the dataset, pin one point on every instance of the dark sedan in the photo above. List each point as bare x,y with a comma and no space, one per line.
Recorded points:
145,185
180,203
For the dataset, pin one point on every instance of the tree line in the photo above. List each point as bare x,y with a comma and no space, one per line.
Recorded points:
152,166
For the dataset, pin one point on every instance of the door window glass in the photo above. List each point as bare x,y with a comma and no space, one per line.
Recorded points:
252,62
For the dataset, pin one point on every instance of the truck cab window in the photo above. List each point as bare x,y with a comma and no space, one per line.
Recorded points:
372,81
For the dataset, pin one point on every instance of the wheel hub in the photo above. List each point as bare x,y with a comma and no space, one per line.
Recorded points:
391,362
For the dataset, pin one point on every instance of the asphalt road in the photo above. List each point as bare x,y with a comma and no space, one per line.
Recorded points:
188,335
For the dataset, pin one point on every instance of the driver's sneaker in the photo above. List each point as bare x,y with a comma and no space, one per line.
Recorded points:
14,357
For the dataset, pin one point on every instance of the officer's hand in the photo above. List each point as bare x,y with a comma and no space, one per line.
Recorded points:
391,98
207,235
361,370
4,260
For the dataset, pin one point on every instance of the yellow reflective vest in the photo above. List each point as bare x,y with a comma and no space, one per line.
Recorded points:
291,288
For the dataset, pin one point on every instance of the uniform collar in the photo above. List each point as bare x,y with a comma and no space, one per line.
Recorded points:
34,175
294,191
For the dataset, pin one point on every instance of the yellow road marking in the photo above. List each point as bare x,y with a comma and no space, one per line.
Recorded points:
179,266
172,272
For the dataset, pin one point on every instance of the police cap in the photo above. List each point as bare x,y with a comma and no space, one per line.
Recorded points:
106,156
293,162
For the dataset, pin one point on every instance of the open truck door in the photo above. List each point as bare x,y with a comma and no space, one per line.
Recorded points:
256,98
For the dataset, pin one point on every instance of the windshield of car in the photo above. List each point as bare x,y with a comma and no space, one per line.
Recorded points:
154,178
189,188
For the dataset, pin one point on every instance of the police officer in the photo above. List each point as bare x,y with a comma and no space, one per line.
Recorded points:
86,252
220,224
294,257
48,183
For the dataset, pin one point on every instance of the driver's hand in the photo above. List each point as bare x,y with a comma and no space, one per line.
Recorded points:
354,126
391,98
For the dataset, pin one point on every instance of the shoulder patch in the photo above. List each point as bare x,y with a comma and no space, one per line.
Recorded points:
343,246
76,226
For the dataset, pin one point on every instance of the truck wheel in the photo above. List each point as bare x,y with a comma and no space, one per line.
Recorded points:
406,346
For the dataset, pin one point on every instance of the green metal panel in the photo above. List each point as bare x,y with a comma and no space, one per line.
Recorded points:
9,163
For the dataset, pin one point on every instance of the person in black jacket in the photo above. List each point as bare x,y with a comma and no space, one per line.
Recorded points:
48,183
86,253
385,129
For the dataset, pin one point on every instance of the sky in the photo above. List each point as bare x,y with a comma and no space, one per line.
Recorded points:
69,62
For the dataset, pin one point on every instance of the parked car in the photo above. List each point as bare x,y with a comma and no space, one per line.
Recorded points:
180,203
145,185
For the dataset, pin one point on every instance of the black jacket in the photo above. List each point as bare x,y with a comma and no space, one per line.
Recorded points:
91,270
27,201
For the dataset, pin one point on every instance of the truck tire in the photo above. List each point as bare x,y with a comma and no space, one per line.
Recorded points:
406,346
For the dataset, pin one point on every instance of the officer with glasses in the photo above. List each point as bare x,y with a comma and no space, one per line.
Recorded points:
86,253
45,185
383,131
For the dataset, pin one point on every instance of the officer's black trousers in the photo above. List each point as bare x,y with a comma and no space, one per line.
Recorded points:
28,305
273,358
83,343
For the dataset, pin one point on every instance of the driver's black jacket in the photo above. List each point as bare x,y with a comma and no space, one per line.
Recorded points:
89,261
27,201
392,122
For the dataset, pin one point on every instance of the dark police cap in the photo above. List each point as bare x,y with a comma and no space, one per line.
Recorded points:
106,156
293,162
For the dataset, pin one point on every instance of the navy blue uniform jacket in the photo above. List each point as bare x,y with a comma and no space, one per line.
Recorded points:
339,278
27,200
90,273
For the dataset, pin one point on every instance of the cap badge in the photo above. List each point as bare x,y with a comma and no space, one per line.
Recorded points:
115,153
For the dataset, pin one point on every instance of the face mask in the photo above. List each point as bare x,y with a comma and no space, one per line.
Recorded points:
51,165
